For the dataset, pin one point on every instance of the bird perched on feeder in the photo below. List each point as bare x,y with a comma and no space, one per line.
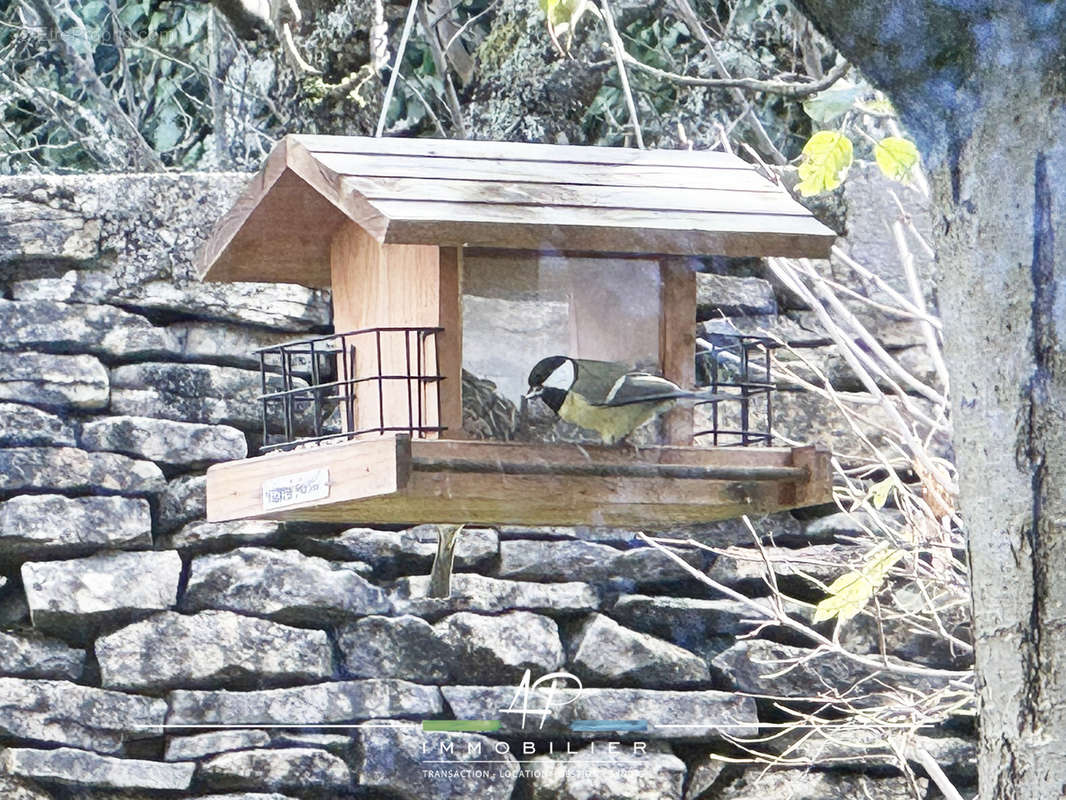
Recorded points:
605,396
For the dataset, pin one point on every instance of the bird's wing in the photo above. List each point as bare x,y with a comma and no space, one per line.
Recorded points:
642,387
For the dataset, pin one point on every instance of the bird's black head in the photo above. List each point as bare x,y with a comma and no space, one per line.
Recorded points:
550,380
546,367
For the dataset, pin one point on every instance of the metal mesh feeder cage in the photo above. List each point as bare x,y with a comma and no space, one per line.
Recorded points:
334,388
740,366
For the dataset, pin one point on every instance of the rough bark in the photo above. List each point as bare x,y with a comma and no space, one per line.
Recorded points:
982,90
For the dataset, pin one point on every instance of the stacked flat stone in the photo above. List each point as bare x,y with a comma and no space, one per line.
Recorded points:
145,652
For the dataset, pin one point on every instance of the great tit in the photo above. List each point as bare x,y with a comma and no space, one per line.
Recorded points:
604,396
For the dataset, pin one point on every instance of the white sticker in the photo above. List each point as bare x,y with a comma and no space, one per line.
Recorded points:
301,487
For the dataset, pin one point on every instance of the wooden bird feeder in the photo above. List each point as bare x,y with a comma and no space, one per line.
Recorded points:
454,259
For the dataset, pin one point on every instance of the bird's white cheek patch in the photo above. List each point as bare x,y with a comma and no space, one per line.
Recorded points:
562,377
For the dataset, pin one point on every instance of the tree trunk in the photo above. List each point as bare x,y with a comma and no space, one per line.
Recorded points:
989,116
1001,304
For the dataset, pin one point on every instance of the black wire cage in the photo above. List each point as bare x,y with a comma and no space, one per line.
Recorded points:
740,366
310,387
333,388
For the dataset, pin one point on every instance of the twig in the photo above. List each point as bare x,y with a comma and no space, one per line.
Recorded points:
452,100
692,21
623,77
793,91
396,63
140,153
787,621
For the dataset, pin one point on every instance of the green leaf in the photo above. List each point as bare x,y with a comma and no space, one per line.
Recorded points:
830,104
826,160
849,594
896,157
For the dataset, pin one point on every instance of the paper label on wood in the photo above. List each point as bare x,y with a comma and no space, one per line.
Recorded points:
300,487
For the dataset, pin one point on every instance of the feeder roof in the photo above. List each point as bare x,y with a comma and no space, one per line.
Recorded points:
500,195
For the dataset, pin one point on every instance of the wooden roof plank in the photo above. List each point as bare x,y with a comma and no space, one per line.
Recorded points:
575,239
513,151
527,193
550,172
505,214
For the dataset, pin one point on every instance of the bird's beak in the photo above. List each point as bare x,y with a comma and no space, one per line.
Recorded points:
534,392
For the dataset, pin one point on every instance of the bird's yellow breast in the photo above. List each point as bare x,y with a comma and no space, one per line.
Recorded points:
610,422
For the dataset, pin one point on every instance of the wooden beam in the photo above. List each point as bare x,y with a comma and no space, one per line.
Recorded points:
677,341
380,286
450,343
235,489
437,481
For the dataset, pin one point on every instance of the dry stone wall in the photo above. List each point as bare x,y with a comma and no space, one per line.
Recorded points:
131,629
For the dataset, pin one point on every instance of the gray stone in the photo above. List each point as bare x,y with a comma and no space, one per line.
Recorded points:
603,652
301,769
539,560
804,417
778,527
729,295
200,745
38,230
282,585
499,649
336,743
800,784
244,796
400,758
12,788
183,501
203,537
74,598
106,331
648,774
14,611
187,393
702,774
915,639
720,330
847,524
286,307
211,649
64,713
862,748
47,526
815,566
869,204
223,343
58,382
26,426
337,702
671,715
177,444
409,551
890,332
748,663
69,469
68,766
686,621
405,647
484,595
35,656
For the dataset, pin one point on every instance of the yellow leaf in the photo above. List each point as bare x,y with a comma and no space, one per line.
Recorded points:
826,160
896,157
879,492
849,594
